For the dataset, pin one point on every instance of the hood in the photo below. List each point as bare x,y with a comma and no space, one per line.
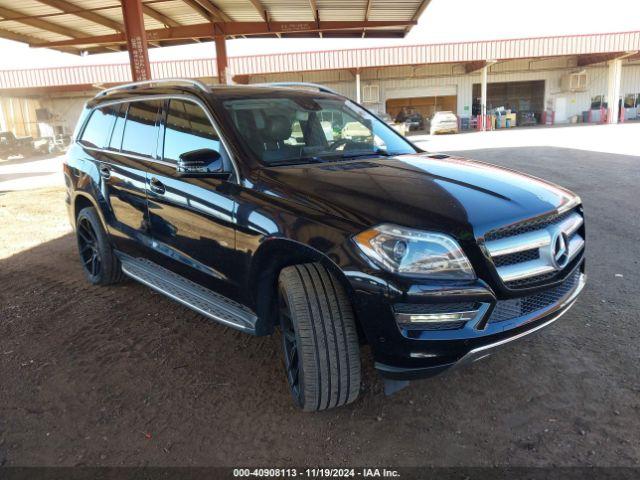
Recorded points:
433,192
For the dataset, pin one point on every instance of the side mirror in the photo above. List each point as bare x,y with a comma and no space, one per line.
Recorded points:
202,162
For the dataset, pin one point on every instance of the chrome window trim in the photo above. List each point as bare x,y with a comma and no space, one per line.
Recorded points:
176,96
129,155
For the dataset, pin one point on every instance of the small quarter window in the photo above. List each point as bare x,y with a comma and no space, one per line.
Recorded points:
140,133
98,128
188,129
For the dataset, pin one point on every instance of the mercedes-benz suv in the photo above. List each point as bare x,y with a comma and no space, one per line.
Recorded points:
251,206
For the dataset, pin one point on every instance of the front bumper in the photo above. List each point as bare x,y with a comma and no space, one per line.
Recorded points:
402,355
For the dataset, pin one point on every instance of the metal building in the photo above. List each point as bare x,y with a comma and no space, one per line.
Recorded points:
592,78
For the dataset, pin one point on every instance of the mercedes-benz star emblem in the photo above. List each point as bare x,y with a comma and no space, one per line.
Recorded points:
560,250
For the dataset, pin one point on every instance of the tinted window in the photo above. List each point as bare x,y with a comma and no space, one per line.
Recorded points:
187,129
118,129
297,127
140,133
98,128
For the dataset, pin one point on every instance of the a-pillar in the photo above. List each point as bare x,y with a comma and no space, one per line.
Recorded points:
136,40
613,92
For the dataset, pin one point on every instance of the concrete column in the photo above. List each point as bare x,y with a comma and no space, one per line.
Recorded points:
136,40
483,97
358,89
613,92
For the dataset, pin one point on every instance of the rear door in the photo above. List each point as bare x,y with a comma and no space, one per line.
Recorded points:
132,145
192,218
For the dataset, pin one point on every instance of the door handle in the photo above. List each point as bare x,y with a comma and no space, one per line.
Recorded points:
105,172
157,186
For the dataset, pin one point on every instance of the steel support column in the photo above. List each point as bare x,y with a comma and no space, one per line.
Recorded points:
221,58
358,88
136,40
483,98
613,92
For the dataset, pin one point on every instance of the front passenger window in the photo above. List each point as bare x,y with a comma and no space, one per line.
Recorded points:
188,129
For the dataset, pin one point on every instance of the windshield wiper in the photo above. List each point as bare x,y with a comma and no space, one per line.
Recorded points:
297,161
375,153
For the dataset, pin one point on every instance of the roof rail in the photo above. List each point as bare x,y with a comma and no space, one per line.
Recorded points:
162,81
321,88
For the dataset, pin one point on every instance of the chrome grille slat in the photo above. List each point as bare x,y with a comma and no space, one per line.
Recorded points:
541,234
519,243
528,269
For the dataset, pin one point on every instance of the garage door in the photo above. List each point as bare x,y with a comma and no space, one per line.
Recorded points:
426,106
520,97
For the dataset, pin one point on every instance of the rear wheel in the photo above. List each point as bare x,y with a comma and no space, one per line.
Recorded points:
319,338
99,262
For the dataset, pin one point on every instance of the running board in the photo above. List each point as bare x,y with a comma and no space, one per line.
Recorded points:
204,301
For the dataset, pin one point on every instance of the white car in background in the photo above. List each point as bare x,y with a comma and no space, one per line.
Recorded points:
443,122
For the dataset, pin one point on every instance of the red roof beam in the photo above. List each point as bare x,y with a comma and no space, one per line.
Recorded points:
206,30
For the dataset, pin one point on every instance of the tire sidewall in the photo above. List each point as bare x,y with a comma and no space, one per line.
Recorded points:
299,400
104,247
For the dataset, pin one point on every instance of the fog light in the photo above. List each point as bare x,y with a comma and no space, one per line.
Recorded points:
436,316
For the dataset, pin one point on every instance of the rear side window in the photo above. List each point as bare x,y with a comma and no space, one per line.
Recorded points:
140,133
98,128
118,128
187,129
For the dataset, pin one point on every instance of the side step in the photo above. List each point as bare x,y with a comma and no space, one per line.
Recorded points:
204,301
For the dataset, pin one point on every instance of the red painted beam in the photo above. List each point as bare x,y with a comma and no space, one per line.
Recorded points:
206,30
136,38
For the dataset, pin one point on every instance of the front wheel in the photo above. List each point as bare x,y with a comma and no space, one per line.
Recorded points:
319,338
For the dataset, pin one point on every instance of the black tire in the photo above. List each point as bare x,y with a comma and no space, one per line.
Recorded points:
99,262
319,337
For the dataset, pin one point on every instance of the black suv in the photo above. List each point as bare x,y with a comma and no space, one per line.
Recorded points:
291,206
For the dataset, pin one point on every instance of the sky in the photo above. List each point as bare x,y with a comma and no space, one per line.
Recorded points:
443,21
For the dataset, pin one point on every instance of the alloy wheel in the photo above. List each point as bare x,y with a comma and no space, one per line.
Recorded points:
88,246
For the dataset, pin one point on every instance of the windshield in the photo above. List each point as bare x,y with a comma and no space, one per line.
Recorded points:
296,128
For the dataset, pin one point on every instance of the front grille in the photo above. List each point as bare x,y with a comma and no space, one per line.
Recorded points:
517,307
539,223
530,282
537,251
518,257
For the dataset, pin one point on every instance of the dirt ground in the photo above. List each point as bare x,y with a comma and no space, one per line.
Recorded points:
123,376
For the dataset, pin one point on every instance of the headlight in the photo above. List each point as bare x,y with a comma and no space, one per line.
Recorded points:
415,253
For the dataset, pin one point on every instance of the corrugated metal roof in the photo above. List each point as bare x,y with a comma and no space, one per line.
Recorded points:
45,21
334,59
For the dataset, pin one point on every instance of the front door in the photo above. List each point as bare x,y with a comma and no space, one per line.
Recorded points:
192,217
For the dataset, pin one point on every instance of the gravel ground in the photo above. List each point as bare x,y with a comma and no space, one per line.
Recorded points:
123,376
